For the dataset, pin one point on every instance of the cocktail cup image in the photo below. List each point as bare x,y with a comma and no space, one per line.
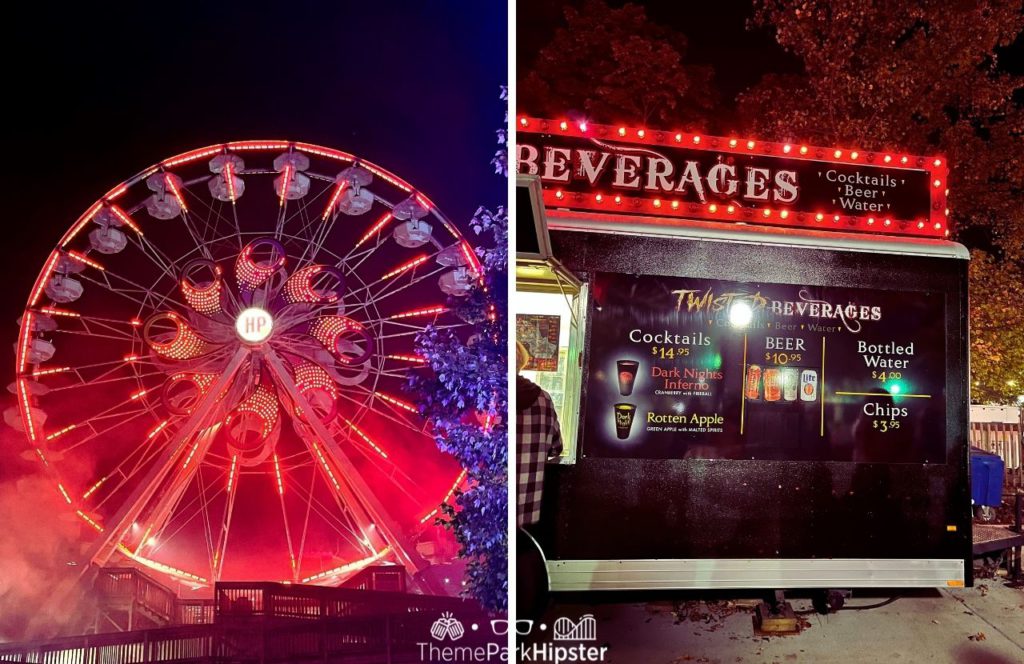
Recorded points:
624,419
627,375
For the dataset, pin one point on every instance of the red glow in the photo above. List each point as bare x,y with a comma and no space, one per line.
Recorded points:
286,179
338,191
125,219
77,228
229,179
84,260
54,311
49,370
64,492
173,187
94,487
405,267
381,223
327,467
262,403
447,497
407,358
277,471
231,473
404,405
160,427
366,439
425,311
85,517
422,200
193,155
61,432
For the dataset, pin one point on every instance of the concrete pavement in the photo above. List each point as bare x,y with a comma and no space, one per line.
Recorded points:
980,625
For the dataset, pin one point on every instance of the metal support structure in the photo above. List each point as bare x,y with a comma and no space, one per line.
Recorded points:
100,550
363,496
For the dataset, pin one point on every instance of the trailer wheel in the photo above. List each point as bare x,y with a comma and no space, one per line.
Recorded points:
828,601
984,513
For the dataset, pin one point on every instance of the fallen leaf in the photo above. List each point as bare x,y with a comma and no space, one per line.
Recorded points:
980,636
935,622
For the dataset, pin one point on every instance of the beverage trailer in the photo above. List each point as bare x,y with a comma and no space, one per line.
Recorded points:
759,356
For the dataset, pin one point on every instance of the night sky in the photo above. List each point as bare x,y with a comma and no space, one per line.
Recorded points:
716,35
100,92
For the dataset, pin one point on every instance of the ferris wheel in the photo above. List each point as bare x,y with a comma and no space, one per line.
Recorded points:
210,365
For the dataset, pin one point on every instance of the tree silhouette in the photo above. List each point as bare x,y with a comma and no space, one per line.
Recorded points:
923,78
615,65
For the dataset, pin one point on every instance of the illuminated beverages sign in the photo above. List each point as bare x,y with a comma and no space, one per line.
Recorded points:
630,171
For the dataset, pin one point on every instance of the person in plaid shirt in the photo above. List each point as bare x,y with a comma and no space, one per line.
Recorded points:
538,439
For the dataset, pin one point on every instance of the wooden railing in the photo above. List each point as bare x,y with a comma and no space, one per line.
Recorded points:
121,586
384,630
240,599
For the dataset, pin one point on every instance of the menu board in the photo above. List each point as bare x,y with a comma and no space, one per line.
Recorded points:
699,368
539,334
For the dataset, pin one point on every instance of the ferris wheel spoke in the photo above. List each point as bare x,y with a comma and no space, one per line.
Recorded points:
279,486
101,549
410,333
332,518
176,485
207,523
389,468
392,278
92,324
116,412
375,299
306,221
220,552
369,394
155,256
157,535
139,456
138,295
308,511
357,491
186,220
95,382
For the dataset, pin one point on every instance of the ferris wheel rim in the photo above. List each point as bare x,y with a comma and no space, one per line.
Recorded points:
50,265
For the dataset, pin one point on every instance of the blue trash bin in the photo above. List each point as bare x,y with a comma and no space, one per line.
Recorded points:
987,472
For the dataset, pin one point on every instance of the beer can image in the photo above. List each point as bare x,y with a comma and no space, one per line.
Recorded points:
627,375
752,388
808,385
790,383
772,385
624,413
